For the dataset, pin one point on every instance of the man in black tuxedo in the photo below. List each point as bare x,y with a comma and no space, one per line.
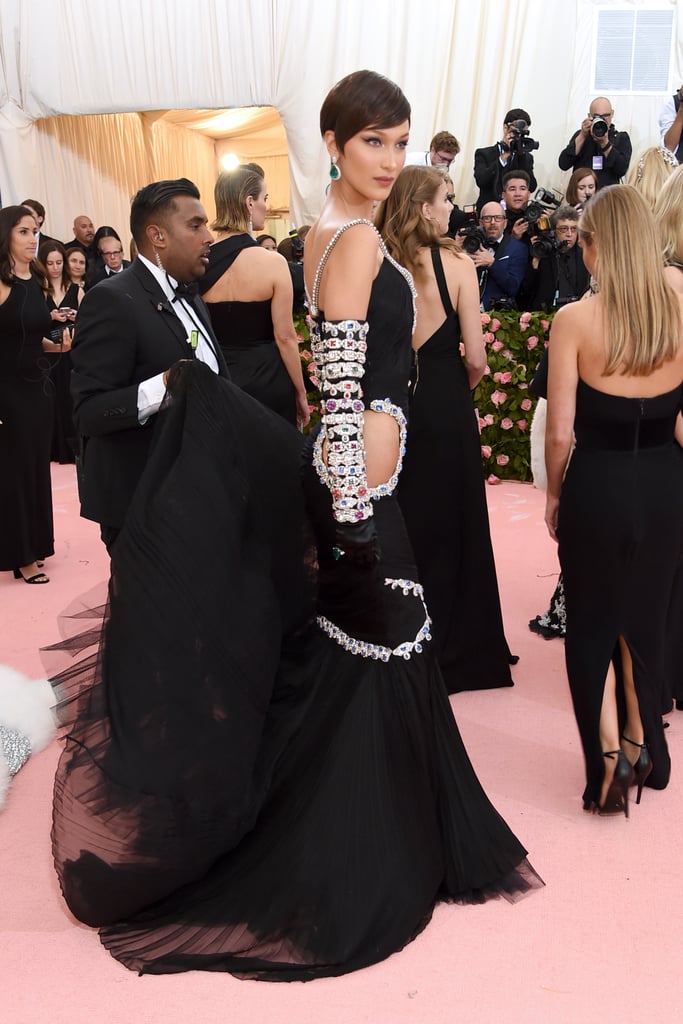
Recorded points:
130,331
510,154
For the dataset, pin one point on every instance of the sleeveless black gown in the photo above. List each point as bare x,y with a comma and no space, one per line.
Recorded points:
245,334
248,785
27,532
620,529
442,497
64,430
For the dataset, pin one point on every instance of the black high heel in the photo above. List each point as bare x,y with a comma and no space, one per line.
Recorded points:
642,767
616,798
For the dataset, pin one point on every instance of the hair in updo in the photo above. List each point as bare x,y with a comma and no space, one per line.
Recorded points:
363,99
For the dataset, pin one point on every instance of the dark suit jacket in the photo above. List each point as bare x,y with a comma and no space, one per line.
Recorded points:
506,273
614,165
102,275
126,332
488,172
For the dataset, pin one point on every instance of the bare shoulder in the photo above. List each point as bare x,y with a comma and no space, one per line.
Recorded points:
457,266
576,317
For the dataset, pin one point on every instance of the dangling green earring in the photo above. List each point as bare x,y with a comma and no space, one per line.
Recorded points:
335,173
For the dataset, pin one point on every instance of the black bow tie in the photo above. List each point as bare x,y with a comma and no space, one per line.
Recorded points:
186,291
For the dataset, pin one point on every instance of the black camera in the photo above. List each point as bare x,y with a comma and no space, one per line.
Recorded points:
546,243
599,126
473,238
297,245
520,141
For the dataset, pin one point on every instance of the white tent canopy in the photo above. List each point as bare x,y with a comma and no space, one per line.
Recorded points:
127,65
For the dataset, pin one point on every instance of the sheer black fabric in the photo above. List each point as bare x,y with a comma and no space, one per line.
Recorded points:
620,529
442,496
239,791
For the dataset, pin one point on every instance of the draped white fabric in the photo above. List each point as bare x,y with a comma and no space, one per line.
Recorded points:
462,65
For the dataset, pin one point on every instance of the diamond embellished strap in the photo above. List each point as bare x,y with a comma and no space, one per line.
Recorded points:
339,348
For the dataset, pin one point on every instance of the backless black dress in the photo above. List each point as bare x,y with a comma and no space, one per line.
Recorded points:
620,529
255,783
442,497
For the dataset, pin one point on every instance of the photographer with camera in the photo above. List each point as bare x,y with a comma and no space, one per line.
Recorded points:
557,274
670,125
500,259
513,152
598,145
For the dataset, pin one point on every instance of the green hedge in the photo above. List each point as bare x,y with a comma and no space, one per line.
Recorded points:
514,345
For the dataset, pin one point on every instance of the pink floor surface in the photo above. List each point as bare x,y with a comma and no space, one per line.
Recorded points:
601,943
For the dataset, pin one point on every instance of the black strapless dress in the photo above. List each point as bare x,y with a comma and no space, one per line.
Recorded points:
442,497
620,529
245,334
247,785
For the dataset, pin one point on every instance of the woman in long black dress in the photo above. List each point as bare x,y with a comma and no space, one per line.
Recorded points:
616,367
26,537
252,785
249,295
63,297
442,485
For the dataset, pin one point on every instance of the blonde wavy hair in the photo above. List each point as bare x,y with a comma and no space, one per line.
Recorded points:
400,220
641,312
669,217
654,167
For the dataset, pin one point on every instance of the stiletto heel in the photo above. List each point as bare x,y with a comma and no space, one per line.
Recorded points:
642,767
616,797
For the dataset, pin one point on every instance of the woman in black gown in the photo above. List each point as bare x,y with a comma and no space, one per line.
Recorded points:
63,298
249,295
615,373
441,492
26,537
252,784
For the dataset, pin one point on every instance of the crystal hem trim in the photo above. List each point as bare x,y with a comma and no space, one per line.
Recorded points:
381,490
378,652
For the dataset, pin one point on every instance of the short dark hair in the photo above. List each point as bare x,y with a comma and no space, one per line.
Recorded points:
564,212
364,99
509,175
36,205
517,114
156,198
9,218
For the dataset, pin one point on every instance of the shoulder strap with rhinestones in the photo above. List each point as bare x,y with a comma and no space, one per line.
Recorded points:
328,249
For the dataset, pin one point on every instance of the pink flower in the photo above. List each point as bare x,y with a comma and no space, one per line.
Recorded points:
485,319
485,451
306,354
502,460
525,404
492,479
506,377
522,386
495,324
532,342
498,397
497,345
525,318
521,424
489,419
545,325
506,424
487,370
488,338
507,353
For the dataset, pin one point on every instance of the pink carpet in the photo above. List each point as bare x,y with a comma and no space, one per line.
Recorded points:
602,943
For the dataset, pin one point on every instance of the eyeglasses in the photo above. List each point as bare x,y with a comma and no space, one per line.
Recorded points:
113,252
490,219
451,198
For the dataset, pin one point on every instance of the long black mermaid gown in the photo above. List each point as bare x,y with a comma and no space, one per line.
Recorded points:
246,787
27,531
64,431
620,528
245,334
442,498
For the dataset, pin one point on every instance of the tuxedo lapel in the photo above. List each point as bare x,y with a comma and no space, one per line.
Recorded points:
160,303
